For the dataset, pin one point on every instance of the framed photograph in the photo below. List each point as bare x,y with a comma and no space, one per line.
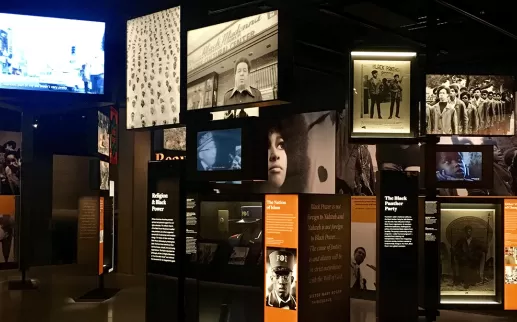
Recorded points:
103,134
467,251
233,63
470,105
104,175
153,69
382,105
175,139
281,278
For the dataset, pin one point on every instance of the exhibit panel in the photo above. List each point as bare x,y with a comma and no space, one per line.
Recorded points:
8,232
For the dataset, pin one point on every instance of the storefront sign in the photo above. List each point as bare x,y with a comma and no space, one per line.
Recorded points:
281,258
238,32
163,157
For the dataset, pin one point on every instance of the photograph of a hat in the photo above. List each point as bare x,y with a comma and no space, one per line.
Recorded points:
250,214
281,261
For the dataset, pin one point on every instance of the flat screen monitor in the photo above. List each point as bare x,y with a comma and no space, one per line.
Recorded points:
219,150
470,105
233,63
459,166
153,69
51,54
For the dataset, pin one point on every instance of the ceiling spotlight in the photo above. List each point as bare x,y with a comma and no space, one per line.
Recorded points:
35,125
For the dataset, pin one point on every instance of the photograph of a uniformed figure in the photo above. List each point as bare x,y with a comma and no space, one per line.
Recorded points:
281,278
381,96
470,104
233,63
467,252
219,150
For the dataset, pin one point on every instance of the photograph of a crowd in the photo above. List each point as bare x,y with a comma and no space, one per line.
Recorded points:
470,105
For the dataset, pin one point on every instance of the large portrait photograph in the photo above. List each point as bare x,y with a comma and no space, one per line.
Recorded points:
381,97
301,154
281,278
233,63
153,69
470,105
467,252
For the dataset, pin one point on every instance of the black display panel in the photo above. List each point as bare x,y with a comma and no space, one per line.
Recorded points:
397,238
462,166
166,201
51,54
219,150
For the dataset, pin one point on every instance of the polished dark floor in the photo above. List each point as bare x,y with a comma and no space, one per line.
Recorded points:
53,302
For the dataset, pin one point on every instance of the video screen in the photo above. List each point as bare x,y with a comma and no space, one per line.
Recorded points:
51,54
233,63
219,150
459,166
470,105
153,69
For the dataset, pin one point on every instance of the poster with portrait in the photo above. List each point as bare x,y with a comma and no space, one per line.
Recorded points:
105,175
233,63
301,154
281,278
10,162
381,97
153,69
467,252
103,134
7,231
474,105
504,165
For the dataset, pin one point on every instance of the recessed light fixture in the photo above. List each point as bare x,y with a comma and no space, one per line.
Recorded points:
383,54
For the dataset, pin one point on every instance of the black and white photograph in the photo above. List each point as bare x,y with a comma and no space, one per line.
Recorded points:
153,69
301,154
219,150
281,278
381,96
103,130
504,167
233,63
105,175
467,252
175,139
236,113
363,272
238,256
470,105
206,253
10,162
510,275
459,166
7,226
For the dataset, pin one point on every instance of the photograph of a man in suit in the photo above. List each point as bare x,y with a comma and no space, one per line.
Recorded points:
242,91
443,114
375,90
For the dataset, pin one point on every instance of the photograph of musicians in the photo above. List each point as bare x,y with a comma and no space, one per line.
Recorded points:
357,282
450,166
478,103
472,114
242,92
443,114
396,95
6,235
207,152
461,112
375,89
468,253
281,275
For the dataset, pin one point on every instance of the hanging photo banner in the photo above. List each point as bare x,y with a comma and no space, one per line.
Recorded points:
113,136
382,103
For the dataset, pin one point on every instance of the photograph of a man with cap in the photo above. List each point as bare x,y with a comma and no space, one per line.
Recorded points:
281,266
206,151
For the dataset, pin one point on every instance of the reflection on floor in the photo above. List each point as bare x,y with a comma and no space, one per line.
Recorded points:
52,302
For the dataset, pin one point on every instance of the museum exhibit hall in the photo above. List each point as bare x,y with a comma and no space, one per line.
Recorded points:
258,161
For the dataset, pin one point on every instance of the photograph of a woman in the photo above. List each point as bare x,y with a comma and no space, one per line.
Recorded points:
301,154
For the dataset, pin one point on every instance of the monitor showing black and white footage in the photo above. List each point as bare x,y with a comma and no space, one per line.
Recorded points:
233,63
470,105
459,166
153,69
51,54
219,150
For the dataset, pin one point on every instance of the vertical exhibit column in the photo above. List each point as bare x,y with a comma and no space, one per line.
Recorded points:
281,258
510,247
397,236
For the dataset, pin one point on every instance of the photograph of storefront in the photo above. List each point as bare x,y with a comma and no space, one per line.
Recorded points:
233,63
